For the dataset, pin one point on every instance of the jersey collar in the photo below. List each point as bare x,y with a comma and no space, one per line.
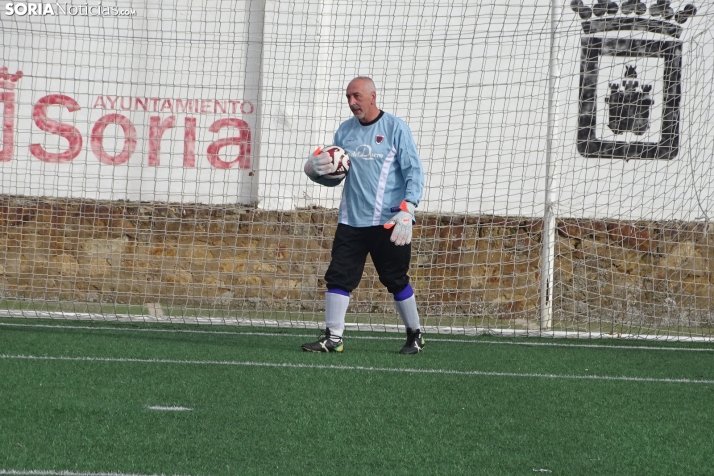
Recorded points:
381,113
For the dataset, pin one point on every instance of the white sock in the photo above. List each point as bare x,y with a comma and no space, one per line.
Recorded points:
407,310
336,302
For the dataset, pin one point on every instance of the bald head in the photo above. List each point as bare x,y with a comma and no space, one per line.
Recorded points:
362,98
367,83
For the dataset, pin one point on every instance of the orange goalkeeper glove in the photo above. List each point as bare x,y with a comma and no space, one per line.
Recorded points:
318,164
402,224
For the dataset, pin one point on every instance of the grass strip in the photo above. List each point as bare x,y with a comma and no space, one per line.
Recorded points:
315,417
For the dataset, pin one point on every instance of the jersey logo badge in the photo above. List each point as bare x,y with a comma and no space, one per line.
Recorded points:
379,139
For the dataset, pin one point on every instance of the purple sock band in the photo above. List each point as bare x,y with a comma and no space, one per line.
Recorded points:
339,291
405,293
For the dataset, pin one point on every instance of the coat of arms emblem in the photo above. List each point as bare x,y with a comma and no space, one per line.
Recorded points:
630,79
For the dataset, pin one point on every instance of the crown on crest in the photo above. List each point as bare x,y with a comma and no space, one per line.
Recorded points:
9,81
631,15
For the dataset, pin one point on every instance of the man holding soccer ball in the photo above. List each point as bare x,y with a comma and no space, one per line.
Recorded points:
382,188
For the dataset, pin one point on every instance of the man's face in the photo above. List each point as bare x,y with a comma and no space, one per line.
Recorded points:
362,103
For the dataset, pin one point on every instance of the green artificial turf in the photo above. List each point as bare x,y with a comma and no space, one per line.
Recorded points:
369,414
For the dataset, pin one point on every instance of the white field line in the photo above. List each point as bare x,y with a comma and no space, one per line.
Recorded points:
40,472
466,373
431,339
392,328
169,409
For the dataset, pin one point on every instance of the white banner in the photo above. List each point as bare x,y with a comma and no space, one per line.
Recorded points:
127,107
220,102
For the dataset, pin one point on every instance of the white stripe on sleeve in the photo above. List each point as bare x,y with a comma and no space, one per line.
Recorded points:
379,199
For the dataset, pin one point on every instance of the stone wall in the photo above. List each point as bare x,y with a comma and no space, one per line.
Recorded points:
232,257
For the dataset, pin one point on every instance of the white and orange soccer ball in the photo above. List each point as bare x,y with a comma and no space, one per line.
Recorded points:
340,161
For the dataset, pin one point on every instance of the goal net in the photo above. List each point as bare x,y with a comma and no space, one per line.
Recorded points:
152,161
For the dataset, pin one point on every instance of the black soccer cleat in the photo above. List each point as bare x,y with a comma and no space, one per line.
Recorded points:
415,342
324,344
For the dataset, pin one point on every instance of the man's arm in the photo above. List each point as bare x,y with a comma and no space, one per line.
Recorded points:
410,163
327,182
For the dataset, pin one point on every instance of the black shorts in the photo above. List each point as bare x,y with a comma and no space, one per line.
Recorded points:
349,253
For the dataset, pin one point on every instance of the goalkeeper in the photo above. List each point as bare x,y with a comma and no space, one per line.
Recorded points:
382,189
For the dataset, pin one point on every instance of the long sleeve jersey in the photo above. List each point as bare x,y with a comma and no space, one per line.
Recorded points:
385,169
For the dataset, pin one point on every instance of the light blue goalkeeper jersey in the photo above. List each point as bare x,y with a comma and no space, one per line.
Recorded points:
385,169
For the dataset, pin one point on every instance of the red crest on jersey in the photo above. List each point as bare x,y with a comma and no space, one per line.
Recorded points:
379,139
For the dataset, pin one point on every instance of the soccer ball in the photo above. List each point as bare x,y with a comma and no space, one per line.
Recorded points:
340,161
